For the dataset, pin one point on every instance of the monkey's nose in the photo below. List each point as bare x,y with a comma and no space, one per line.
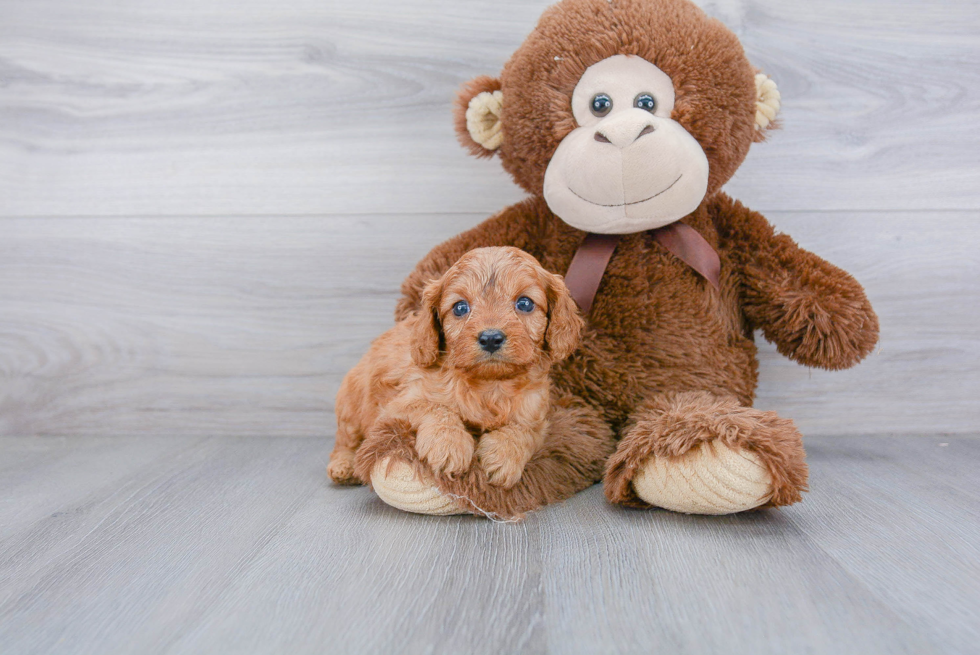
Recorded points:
491,340
621,134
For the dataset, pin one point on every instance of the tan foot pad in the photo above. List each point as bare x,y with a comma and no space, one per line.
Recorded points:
709,479
400,488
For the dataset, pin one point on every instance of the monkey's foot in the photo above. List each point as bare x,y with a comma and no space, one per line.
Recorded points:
576,446
398,484
709,479
700,454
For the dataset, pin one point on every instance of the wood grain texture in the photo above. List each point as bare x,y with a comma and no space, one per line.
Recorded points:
247,325
240,544
218,108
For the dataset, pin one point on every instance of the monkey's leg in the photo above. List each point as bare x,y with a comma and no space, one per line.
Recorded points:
698,453
576,446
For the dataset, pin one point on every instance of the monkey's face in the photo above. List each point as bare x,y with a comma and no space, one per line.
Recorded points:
628,166
623,115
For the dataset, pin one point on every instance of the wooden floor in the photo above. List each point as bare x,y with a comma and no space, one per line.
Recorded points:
239,545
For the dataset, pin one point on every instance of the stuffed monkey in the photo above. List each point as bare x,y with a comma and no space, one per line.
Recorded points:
623,119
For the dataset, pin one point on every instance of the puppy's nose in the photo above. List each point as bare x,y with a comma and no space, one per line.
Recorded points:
491,340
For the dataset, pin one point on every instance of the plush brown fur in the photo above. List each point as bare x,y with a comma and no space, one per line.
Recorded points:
576,444
430,373
666,361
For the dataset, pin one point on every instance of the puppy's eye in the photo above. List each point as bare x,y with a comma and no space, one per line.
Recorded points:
524,304
462,308
646,102
601,104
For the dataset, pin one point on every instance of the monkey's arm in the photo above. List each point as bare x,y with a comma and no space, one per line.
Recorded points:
815,313
507,228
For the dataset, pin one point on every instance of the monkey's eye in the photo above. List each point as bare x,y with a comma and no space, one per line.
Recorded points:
646,102
601,104
524,304
462,308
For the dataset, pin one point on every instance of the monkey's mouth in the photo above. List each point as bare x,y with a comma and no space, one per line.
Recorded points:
627,204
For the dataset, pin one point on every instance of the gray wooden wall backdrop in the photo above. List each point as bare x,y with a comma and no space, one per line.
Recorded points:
206,206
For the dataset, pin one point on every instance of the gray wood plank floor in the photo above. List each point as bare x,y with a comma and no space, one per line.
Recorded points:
223,545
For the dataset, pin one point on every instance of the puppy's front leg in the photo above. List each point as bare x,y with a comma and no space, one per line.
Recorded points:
443,442
505,452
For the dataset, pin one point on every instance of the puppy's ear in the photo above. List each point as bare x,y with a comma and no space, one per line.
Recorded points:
564,323
427,330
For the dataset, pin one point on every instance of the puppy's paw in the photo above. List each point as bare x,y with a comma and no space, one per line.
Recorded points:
503,460
447,450
341,468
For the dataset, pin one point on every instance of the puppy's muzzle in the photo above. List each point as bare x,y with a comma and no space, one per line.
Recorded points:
491,340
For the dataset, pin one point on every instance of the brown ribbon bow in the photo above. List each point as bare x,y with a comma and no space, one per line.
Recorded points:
593,255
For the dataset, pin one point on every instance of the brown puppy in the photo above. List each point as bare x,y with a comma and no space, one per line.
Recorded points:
473,362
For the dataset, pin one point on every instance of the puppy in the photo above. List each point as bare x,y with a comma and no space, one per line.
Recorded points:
468,371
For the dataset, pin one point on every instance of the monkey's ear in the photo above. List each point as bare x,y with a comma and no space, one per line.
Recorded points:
479,104
564,323
427,330
766,105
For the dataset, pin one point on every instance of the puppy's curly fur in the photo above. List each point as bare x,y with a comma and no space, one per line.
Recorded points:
432,372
